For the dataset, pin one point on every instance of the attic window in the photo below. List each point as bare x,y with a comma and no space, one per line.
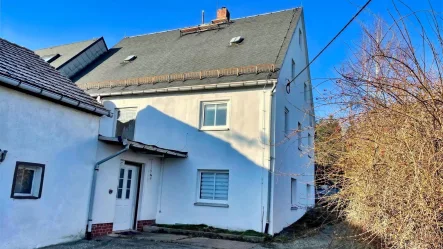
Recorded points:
236,40
50,58
130,58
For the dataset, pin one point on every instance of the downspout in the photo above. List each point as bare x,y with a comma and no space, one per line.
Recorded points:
271,158
94,181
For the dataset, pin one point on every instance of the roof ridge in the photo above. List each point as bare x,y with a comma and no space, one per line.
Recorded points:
169,30
268,13
152,33
93,39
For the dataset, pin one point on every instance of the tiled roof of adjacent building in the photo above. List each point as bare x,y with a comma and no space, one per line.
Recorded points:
21,68
66,52
266,39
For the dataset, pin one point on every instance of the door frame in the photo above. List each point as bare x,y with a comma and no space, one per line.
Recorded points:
138,188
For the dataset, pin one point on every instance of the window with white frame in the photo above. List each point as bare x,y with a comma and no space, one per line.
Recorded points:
293,192
125,122
213,186
292,69
28,181
214,115
299,137
287,131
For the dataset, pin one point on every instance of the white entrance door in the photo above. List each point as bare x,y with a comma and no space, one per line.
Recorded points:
126,197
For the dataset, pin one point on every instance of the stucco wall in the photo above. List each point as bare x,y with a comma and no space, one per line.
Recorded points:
107,179
172,121
290,162
65,140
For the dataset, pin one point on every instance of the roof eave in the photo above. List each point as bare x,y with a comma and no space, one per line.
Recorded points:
40,92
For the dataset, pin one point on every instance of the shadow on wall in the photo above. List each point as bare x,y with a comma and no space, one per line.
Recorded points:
156,128
206,151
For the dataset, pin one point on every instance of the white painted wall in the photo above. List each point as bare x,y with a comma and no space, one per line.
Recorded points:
289,161
65,140
107,179
172,121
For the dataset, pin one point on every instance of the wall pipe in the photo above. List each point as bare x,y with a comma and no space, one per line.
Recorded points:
93,185
271,159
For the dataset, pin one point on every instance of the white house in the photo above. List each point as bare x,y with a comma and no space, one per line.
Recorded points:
48,146
240,146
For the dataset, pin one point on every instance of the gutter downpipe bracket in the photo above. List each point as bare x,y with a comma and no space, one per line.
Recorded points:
93,185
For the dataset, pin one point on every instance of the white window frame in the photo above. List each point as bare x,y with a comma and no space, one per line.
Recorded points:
215,127
37,180
116,109
199,176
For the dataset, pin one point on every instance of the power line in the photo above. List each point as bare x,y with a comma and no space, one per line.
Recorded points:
288,85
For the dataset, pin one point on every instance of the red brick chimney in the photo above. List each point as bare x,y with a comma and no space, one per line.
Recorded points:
223,15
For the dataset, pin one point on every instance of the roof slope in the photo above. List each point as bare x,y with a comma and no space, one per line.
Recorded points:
67,51
22,65
266,38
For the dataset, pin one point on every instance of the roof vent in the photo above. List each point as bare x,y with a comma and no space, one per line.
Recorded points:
130,58
50,58
236,40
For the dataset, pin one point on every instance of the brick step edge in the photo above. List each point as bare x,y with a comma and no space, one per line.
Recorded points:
155,229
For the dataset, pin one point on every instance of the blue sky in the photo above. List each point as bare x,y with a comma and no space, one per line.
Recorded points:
38,24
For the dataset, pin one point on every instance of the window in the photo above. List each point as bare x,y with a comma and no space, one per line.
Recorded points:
50,58
286,121
300,38
125,124
310,140
28,181
305,92
213,186
292,69
309,195
299,135
293,193
121,180
214,115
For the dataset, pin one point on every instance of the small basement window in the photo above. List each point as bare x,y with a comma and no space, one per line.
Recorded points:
215,115
28,181
125,123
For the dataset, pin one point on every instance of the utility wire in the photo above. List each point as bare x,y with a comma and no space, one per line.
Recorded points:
288,85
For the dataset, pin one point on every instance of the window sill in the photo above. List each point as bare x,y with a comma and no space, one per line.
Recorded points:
214,128
206,204
25,197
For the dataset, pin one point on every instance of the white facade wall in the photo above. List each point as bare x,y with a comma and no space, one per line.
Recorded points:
172,121
290,162
107,179
65,141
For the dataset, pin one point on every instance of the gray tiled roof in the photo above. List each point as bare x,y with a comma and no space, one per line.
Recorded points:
67,51
266,39
21,64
